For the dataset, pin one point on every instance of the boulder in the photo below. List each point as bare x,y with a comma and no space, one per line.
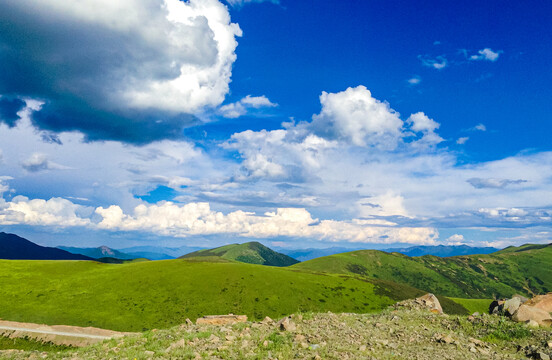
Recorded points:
221,319
511,305
496,307
526,313
286,324
520,297
431,302
543,302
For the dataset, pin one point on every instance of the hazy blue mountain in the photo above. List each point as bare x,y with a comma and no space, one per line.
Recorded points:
311,253
443,250
159,252
99,252
17,248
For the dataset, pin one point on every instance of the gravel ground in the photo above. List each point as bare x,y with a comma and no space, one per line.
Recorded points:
401,332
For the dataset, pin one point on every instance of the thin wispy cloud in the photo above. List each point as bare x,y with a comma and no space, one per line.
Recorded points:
439,62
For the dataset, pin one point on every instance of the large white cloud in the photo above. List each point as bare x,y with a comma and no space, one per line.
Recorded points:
54,212
199,219
104,67
355,115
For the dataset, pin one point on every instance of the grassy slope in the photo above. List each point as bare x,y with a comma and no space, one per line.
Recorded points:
474,305
160,294
250,253
524,271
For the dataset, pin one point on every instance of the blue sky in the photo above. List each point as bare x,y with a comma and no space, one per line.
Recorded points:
306,123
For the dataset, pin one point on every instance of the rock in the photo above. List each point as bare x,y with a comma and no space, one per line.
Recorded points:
549,344
221,319
532,324
543,302
299,338
496,307
149,353
541,356
286,324
230,337
526,313
476,314
267,321
214,339
179,344
362,348
431,302
520,297
189,322
511,305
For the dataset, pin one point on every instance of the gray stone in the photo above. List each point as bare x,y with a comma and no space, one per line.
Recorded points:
286,324
511,306
431,302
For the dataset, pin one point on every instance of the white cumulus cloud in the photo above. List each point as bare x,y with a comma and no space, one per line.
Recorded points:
486,54
356,116
199,219
242,107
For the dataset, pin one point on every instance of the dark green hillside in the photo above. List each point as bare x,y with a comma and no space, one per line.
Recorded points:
524,270
16,247
250,253
159,294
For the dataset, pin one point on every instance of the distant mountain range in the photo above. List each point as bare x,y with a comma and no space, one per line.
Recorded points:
159,252
16,248
443,250
439,250
98,253
251,253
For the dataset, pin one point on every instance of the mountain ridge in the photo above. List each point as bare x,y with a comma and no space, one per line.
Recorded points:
250,253
14,247
98,252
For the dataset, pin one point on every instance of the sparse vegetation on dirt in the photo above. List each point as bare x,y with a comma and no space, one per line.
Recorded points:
395,333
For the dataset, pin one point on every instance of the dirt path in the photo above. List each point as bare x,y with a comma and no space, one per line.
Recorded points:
58,334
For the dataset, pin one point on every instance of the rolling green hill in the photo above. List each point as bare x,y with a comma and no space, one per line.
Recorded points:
159,294
525,270
250,253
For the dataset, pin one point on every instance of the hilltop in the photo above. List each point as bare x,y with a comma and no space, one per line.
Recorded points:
17,248
250,253
524,270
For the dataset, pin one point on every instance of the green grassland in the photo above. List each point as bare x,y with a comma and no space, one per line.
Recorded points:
474,305
159,294
250,253
27,344
524,270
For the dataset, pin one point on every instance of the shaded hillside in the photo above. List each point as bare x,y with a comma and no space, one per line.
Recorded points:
97,253
160,294
443,250
523,270
17,248
250,253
